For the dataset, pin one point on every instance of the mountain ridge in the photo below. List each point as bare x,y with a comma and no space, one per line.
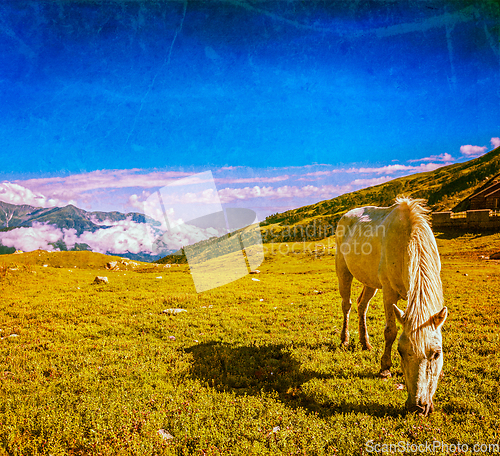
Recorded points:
65,217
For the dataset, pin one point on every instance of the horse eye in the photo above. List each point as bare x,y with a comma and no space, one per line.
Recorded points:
436,355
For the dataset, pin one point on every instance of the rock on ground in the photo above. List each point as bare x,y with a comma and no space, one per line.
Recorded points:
100,279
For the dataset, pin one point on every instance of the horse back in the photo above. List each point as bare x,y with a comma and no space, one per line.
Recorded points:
372,242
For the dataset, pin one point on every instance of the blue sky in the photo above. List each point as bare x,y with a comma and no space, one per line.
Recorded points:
287,103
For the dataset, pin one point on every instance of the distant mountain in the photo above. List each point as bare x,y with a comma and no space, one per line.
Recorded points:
15,216
69,217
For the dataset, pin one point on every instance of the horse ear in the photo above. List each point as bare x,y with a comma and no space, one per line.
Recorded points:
439,318
399,314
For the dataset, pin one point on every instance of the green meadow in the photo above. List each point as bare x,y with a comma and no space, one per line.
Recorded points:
251,368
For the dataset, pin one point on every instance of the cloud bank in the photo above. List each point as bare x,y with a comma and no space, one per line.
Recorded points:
17,194
445,157
39,236
123,237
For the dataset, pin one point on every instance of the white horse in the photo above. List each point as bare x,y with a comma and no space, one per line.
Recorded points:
394,249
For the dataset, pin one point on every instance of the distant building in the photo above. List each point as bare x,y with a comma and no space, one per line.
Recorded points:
488,198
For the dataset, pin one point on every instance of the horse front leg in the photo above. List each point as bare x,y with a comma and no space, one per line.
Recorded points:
363,303
390,330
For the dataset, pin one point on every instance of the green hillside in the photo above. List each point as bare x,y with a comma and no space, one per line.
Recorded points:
443,188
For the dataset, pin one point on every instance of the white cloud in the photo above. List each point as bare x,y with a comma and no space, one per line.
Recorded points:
252,180
423,168
38,236
75,186
125,236
138,201
361,183
495,142
17,194
388,169
391,169
288,191
231,168
150,204
321,173
184,234
445,157
472,151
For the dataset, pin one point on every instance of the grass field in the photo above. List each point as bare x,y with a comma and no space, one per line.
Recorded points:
253,367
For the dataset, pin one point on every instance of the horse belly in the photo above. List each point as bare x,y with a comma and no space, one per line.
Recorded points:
363,260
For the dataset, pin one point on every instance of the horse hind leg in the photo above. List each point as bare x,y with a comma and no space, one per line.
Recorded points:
363,303
345,281
390,331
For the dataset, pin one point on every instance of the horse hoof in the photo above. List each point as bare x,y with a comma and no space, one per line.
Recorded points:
366,347
385,373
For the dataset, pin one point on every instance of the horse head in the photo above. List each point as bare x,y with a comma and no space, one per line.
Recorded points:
421,359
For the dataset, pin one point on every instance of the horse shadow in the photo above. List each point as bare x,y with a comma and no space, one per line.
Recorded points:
252,369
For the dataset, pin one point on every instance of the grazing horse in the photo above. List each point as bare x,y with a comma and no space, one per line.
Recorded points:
394,249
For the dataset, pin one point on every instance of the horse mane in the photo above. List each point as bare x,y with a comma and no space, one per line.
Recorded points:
425,293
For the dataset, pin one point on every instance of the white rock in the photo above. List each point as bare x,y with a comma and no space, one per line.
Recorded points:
173,311
255,280
100,279
165,434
